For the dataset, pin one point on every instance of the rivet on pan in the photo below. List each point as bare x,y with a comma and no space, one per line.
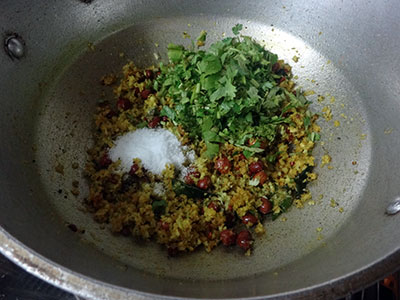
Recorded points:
393,207
87,1
14,46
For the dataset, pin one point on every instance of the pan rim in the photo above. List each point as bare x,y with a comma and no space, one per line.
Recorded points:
90,288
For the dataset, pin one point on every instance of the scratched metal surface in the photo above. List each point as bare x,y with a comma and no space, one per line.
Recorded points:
17,284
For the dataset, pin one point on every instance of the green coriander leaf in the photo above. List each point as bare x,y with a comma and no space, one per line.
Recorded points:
314,136
225,107
253,93
256,145
218,94
275,216
175,52
210,65
248,153
231,70
131,119
141,125
210,82
212,149
273,92
237,28
211,136
286,203
267,85
250,149
307,122
229,90
168,112
272,157
207,124
287,108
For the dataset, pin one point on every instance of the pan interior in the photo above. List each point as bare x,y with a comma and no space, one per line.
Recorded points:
64,133
48,98
350,49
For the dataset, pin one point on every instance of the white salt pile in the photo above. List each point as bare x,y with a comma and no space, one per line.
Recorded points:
154,147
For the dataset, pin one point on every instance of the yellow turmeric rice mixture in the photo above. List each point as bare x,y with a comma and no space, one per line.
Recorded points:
250,132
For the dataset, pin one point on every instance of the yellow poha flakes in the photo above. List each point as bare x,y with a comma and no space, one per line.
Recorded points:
186,218
259,229
308,93
326,159
327,113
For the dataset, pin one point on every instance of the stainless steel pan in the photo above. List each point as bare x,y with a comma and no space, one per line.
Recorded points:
349,49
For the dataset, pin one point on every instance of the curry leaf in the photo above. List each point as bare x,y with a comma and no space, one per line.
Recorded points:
180,188
158,206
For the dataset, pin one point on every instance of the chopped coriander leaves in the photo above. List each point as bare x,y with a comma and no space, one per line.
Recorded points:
272,157
212,149
228,93
307,122
131,119
175,52
141,125
314,136
168,112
